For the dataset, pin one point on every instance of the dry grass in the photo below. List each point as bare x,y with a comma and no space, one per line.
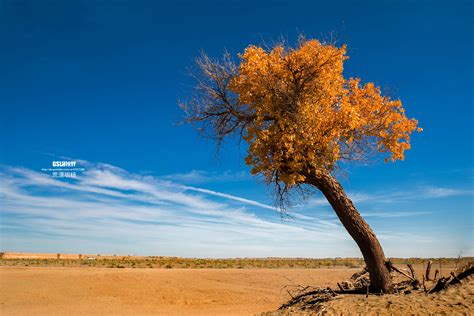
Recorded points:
195,263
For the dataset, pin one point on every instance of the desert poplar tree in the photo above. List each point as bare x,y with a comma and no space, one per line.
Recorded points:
303,120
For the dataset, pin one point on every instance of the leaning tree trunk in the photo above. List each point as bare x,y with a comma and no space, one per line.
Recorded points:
358,228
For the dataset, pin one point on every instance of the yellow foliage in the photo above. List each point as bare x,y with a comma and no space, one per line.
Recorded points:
308,116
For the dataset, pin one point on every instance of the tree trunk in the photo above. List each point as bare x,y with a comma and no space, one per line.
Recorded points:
359,230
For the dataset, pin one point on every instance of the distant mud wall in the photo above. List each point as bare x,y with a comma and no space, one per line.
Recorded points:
24,255
19,255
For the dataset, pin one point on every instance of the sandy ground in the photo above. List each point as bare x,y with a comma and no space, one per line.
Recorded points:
457,300
100,291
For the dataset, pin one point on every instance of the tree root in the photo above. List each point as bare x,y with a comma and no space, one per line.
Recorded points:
310,300
453,279
313,298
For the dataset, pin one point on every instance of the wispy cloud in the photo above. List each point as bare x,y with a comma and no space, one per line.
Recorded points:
230,197
441,192
113,207
416,193
201,176
392,214
108,209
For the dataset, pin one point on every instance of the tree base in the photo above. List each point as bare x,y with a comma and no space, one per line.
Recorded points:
313,300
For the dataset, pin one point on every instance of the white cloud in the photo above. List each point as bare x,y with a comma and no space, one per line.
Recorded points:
107,209
230,197
112,207
388,196
389,214
440,192
201,176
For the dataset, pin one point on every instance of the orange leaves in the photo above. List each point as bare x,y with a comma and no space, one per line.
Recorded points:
308,116
382,119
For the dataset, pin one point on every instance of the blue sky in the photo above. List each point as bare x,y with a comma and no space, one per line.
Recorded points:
99,81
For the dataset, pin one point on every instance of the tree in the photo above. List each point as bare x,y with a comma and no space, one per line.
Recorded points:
302,121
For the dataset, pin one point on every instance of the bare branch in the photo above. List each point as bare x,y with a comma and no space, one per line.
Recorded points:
213,109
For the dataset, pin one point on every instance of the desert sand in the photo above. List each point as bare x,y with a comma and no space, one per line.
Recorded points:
457,300
86,291
99,291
